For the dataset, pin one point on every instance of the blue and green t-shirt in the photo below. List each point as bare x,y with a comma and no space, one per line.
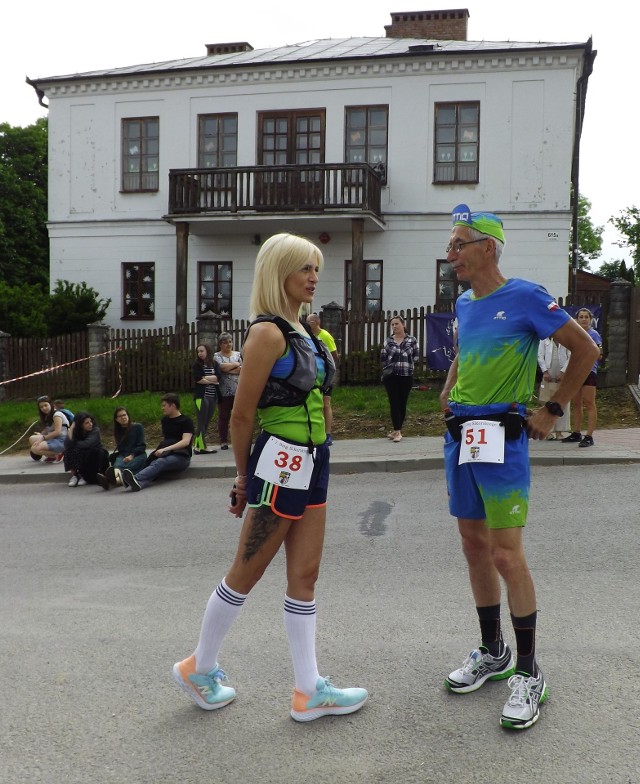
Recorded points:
498,339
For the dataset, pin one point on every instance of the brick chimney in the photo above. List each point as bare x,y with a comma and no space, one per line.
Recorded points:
241,46
438,25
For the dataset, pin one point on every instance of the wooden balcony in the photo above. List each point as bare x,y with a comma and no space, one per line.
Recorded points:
260,190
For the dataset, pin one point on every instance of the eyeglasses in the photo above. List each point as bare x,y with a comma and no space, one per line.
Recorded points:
458,246
42,399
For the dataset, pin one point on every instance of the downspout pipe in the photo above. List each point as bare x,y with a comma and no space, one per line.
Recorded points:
581,97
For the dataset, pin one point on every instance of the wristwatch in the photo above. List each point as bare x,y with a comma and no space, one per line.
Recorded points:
554,408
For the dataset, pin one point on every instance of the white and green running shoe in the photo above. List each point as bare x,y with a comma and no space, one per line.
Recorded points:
522,709
478,667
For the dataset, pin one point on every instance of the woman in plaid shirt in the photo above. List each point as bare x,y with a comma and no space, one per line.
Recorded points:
398,357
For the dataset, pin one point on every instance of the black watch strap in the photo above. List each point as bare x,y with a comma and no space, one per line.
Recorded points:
554,408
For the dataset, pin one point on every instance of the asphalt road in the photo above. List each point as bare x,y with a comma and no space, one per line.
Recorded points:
102,592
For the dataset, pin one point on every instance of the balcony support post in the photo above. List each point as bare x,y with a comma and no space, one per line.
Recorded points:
182,266
357,279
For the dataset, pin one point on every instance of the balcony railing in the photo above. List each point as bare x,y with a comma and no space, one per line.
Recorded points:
264,189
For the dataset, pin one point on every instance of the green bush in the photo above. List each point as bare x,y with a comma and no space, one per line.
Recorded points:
23,310
361,367
73,306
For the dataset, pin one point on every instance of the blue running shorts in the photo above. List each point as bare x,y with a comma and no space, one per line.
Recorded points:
497,493
283,501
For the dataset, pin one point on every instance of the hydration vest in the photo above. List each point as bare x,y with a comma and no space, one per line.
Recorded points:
294,389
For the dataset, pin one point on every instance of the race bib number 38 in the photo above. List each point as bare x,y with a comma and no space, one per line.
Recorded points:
482,442
284,464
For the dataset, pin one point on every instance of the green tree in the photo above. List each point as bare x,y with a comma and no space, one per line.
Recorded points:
24,244
612,270
628,224
589,236
23,310
72,306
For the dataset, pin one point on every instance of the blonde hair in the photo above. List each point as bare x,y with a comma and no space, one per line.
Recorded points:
279,257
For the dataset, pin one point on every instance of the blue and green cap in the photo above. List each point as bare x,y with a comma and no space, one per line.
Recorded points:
485,222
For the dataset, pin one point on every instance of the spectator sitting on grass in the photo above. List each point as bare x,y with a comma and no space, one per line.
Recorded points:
173,453
130,451
84,456
49,442
59,405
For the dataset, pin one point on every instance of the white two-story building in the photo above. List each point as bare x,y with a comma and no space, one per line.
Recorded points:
165,178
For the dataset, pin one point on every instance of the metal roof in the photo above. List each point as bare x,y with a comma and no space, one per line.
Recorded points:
321,50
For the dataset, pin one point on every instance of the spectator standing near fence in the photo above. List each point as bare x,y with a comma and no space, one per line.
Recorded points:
313,320
205,395
552,361
585,398
500,325
398,356
229,364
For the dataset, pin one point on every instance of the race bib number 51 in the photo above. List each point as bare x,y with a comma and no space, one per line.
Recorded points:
482,442
284,464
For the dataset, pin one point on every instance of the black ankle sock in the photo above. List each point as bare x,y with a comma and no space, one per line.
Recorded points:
490,628
525,631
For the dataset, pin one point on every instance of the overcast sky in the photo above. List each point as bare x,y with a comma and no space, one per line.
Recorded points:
42,39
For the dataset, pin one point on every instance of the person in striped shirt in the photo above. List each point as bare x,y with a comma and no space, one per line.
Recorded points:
206,375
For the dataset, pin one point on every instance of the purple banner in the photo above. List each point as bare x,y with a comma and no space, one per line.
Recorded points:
440,351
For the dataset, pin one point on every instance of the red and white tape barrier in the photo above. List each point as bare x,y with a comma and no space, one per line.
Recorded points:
57,367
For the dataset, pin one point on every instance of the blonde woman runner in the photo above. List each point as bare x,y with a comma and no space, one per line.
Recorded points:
282,482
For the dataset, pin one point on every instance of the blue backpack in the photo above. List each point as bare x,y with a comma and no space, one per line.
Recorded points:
69,415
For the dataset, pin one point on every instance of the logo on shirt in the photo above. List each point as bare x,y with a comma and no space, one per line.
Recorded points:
515,509
500,316
553,306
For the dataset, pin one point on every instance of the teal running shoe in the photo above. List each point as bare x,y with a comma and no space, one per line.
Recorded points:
207,690
327,700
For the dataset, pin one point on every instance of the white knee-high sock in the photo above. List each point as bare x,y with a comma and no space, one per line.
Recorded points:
300,625
223,608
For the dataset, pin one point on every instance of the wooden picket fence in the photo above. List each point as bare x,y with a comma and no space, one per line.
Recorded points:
368,331
161,359
362,336
46,366
158,359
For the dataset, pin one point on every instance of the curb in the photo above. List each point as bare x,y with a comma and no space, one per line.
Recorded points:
341,466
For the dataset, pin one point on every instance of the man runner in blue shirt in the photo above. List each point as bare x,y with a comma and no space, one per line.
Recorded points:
500,324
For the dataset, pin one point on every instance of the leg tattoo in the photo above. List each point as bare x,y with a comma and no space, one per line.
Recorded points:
264,524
